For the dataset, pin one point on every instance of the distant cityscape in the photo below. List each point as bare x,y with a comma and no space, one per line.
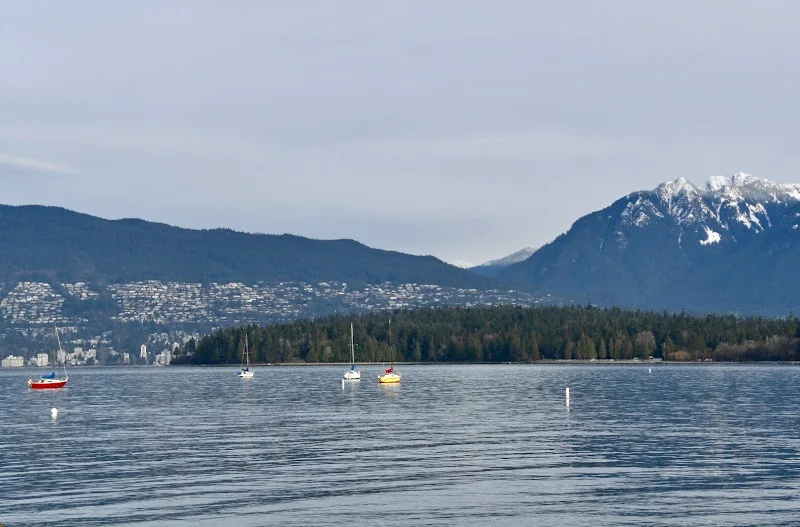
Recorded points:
144,322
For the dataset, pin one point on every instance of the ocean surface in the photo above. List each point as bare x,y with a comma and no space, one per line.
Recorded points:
452,445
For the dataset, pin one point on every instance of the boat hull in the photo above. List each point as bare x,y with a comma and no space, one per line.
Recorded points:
245,374
352,375
389,378
47,384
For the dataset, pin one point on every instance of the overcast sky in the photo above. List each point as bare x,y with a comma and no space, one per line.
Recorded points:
462,129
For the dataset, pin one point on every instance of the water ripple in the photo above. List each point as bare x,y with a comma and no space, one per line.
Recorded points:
452,445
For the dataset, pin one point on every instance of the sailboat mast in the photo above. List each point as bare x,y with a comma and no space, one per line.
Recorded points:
60,351
352,346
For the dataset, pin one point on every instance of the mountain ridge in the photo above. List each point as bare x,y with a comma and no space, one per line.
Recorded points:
60,244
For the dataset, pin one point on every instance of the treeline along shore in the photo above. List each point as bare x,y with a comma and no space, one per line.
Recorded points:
505,334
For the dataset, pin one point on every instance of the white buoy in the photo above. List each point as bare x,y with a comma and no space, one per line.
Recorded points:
649,370
342,384
53,413
567,394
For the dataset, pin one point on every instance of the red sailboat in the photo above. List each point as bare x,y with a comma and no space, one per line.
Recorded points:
50,381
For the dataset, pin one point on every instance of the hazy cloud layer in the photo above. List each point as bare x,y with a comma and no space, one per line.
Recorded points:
462,129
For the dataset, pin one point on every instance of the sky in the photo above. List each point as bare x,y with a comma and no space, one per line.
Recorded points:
463,129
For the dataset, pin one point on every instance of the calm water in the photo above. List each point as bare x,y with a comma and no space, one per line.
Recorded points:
453,445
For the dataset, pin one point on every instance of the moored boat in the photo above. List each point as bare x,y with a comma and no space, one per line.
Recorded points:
352,374
43,384
389,377
245,372
50,381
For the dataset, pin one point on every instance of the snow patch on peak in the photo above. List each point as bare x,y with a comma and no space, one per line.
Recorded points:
671,189
742,186
639,213
519,256
741,179
461,264
711,237
716,183
684,202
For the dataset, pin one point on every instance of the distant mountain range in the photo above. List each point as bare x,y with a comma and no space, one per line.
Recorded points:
461,264
494,267
731,245
55,244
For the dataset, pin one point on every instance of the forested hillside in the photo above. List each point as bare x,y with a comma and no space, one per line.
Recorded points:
506,333
52,244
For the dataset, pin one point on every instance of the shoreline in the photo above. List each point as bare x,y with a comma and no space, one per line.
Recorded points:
551,362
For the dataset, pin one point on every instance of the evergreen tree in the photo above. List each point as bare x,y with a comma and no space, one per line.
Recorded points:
601,349
417,351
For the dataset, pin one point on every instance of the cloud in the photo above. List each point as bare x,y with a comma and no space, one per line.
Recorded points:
34,165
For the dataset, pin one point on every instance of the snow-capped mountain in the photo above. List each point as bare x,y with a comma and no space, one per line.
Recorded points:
675,246
724,210
494,267
461,264
522,254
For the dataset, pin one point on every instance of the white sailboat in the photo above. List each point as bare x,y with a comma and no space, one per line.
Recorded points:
352,374
245,372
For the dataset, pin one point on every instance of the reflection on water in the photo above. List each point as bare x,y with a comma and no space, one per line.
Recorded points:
450,445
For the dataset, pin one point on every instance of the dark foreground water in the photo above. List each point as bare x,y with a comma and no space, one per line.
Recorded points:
453,445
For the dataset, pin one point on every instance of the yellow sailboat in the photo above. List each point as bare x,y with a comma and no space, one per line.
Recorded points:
389,376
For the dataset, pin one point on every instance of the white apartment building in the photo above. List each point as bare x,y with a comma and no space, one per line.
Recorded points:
42,360
13,362
163,358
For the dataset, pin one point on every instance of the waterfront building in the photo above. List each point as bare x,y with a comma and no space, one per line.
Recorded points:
13,362
163,358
